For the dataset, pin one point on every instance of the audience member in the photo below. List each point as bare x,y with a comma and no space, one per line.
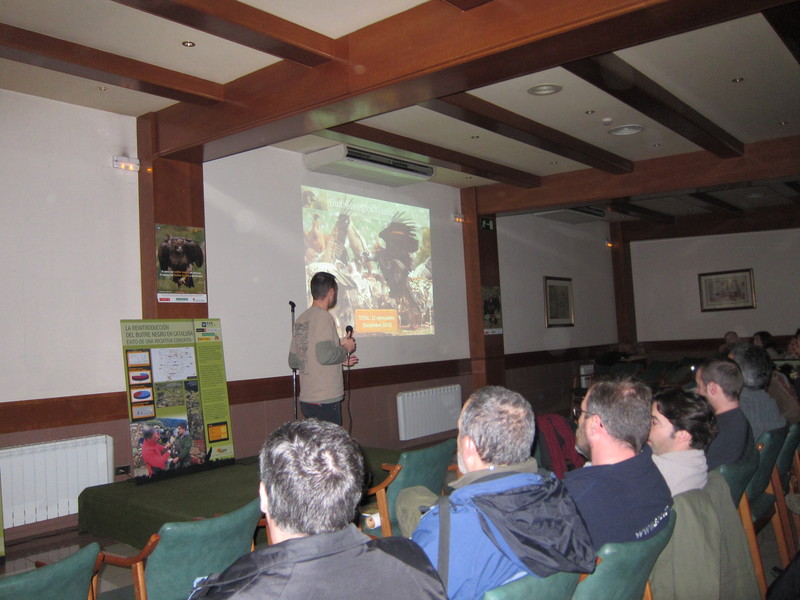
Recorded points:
622,495
506,521
760,408
729,339
720,381
683,426
764,339
311,484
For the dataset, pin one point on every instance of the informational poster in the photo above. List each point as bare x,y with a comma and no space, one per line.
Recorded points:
177,393
181,264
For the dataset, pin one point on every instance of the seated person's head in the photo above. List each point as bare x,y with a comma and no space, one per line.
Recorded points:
681,421
311,476
763,339
615,411
731,338
726,376
755,365
496,427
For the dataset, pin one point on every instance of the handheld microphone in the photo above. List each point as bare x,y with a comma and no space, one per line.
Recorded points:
349,331
292,304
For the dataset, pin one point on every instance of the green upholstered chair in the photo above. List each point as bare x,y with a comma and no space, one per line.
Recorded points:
181,552
623,569
426,467
780,482
738,475
558,586
757,504
67,579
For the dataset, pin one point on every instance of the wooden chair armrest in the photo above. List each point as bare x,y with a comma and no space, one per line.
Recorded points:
394,471
129,561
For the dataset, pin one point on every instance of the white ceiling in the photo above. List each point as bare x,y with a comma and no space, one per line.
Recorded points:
699,67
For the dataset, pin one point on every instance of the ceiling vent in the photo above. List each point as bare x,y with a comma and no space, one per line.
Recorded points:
365,165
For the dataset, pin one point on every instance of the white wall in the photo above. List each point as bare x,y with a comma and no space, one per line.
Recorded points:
667,291
256,265
531,248
69,247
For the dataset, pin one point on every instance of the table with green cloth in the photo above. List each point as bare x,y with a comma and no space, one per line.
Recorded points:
129,512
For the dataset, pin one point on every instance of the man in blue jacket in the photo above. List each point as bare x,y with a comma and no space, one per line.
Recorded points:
506,521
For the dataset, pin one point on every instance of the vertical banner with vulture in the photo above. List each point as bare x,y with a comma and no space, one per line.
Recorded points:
181,265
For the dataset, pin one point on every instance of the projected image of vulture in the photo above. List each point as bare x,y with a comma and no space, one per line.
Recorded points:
178,254
395,261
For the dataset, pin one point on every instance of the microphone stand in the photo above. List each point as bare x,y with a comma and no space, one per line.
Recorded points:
294,371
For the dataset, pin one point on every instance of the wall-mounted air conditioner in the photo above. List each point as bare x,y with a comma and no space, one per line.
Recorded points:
366,165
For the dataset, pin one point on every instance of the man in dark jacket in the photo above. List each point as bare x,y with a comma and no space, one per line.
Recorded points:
506,521
622,496
311,477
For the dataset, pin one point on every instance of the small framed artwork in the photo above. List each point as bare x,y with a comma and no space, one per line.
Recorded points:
558,309
727,290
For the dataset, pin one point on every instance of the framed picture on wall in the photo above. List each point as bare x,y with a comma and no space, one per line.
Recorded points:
727,290
558,309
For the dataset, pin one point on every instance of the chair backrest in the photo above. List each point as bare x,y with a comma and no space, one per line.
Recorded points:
738,475
191,549
558,586
767,447
786,455
426,466
67,579
624,568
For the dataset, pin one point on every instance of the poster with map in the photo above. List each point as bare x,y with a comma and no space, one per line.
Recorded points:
177,394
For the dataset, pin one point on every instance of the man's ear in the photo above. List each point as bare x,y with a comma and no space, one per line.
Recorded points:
683,436
262,493
712,388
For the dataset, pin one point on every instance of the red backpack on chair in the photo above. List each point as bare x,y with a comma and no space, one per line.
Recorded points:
557,444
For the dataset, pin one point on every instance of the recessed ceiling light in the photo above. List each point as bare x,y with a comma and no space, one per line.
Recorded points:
474,137
188,44
544,89
656,145
101,88
782,123
737,79
588,112
626,130
554,162
754,195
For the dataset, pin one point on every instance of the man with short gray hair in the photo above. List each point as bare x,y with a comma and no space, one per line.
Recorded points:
758,406
506,521
311,484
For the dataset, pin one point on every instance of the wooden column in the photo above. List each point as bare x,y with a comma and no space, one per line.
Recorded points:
487,353
170,192
623,286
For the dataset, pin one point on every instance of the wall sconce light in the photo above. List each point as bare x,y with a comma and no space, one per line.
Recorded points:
609,243
125,163
458,217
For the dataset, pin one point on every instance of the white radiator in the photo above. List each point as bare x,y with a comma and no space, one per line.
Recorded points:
42,481
425,412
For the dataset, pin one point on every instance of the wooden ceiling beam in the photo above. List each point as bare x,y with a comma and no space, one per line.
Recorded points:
624,207
403,147
617,78
73,59
762,160
420,54
716,204
466,4
785,20
246,25
476,111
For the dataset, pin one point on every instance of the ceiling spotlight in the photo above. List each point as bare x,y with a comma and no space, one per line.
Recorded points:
102,88
188,44
588,112
474,137
783,123
656,145
737,79
626,130
544,89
